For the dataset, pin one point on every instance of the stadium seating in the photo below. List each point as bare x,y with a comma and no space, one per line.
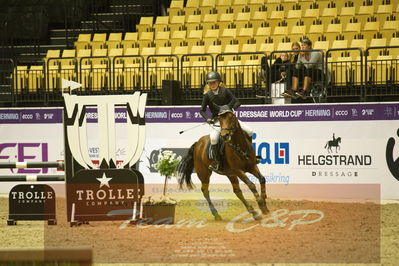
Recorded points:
220,27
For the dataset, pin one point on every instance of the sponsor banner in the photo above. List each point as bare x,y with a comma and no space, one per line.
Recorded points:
31,116
339,148
267,113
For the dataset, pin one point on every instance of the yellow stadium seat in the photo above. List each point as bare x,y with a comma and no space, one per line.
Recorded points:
175,7
353,27
229,33
378,42
248,48
298,31
145,39
322,45
284,46
98,41
371,26
315,31
84,63
294,14
208,20
164,50
312,13
145,24
176,22
130,40
359,43
280,30
114,41
339,44
333,30
146,51
329,12
227,3
225,19
68,63
35,78
231,48
192,7
178,36
384,9
266,47
391,25
394,41
277,15
161,24
244,35
83,41
214,49
180,50
366,10
195,34
162,35
52,64
193,21
243,16
348,11
20,78
197,49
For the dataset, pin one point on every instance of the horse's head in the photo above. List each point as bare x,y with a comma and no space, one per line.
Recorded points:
228,123
339,139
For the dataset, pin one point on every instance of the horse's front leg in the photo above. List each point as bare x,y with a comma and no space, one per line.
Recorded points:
204,175
262,204
238,192
252,187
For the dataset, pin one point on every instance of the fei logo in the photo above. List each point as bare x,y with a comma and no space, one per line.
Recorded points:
281,152
25,152
393,163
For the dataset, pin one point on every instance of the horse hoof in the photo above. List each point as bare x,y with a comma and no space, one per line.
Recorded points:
218,217
256,215
265,211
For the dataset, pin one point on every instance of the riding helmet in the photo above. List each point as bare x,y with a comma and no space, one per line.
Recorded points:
213,76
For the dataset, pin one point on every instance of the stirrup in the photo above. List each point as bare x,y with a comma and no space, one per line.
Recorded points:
214,167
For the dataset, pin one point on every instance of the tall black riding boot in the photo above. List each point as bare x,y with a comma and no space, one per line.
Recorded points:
216,157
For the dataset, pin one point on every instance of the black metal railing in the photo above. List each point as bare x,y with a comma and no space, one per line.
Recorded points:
346,73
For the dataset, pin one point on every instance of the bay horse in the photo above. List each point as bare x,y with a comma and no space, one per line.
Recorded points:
239,158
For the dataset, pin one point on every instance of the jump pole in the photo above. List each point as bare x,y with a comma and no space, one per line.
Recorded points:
32,178
19,165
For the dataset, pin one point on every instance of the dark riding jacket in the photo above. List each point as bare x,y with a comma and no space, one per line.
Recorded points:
214,101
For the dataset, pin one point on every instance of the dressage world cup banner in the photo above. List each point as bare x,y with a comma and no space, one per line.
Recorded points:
298,144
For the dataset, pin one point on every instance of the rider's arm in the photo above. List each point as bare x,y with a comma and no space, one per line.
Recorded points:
205,102
234,103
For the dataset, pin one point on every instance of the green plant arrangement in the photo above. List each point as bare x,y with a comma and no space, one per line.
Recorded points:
166,165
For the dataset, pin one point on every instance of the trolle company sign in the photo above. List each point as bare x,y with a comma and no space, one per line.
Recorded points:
31,202
95,194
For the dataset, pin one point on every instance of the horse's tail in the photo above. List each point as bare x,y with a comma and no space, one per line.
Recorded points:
185,168
326,145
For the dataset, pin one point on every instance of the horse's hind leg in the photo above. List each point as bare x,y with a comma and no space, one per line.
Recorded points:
204,177
238,192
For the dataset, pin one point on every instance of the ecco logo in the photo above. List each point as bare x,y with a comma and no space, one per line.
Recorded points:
341,112
176,115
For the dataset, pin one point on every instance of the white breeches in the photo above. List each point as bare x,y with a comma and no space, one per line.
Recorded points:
215,131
